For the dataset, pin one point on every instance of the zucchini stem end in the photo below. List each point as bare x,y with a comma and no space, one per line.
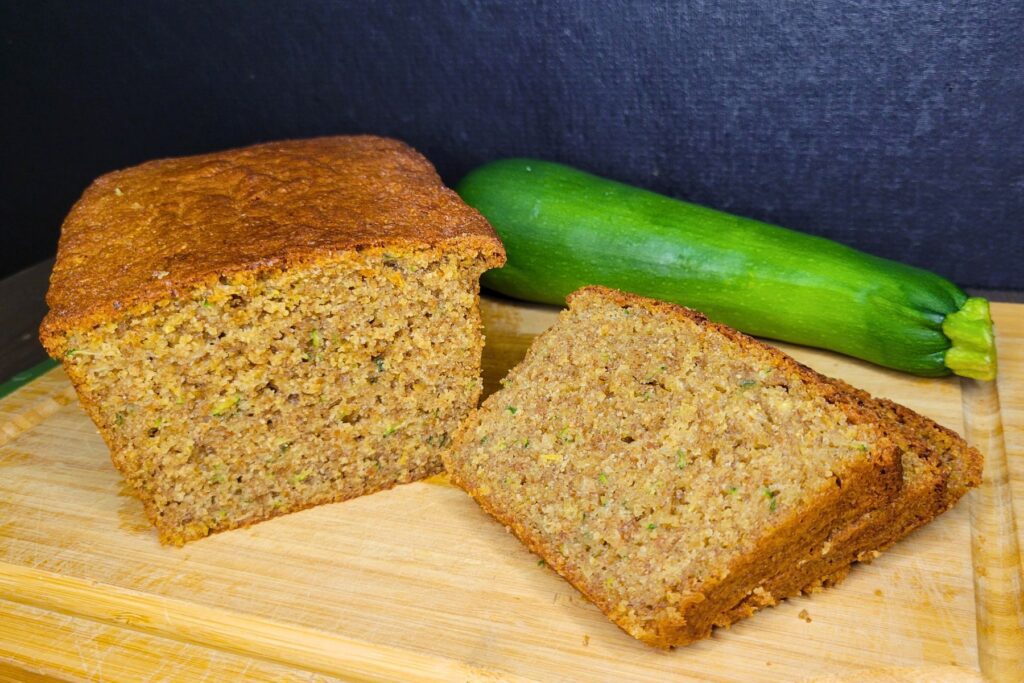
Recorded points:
973,350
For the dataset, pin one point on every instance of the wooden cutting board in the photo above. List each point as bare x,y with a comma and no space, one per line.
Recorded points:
417,583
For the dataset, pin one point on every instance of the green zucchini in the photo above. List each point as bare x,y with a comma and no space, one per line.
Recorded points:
563,228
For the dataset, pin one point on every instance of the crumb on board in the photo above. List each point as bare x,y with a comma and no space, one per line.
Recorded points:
805,616
586,640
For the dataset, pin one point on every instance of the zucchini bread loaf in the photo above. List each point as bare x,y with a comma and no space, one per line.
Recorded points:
270,328
667,466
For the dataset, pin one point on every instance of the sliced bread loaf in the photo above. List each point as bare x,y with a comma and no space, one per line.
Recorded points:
261,330
667,466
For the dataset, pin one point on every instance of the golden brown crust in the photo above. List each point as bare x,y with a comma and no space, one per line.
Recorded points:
962,463
940,445
152,232
864,488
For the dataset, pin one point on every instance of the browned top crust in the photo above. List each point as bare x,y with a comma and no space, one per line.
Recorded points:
154,231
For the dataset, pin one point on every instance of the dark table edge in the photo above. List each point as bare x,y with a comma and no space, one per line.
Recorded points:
25,376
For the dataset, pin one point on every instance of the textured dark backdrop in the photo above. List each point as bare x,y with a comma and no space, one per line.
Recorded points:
895,127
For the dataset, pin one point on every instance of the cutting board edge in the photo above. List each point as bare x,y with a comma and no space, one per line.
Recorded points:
273,641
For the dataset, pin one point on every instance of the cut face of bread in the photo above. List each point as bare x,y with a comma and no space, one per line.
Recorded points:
668,466
266,329
258,396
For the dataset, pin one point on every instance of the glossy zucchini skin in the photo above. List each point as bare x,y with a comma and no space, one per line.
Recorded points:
563,228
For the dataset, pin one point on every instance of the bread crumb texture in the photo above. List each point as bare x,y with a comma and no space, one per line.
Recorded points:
668,466
263,394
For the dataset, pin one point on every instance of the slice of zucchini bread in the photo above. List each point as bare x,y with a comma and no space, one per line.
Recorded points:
668,466
265,329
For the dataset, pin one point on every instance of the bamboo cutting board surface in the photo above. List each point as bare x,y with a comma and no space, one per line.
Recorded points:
417,583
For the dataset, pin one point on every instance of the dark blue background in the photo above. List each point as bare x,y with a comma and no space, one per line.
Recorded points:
895,127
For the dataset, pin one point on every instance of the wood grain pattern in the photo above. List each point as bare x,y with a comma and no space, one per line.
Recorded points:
995,544
48,645
998,589
417,584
